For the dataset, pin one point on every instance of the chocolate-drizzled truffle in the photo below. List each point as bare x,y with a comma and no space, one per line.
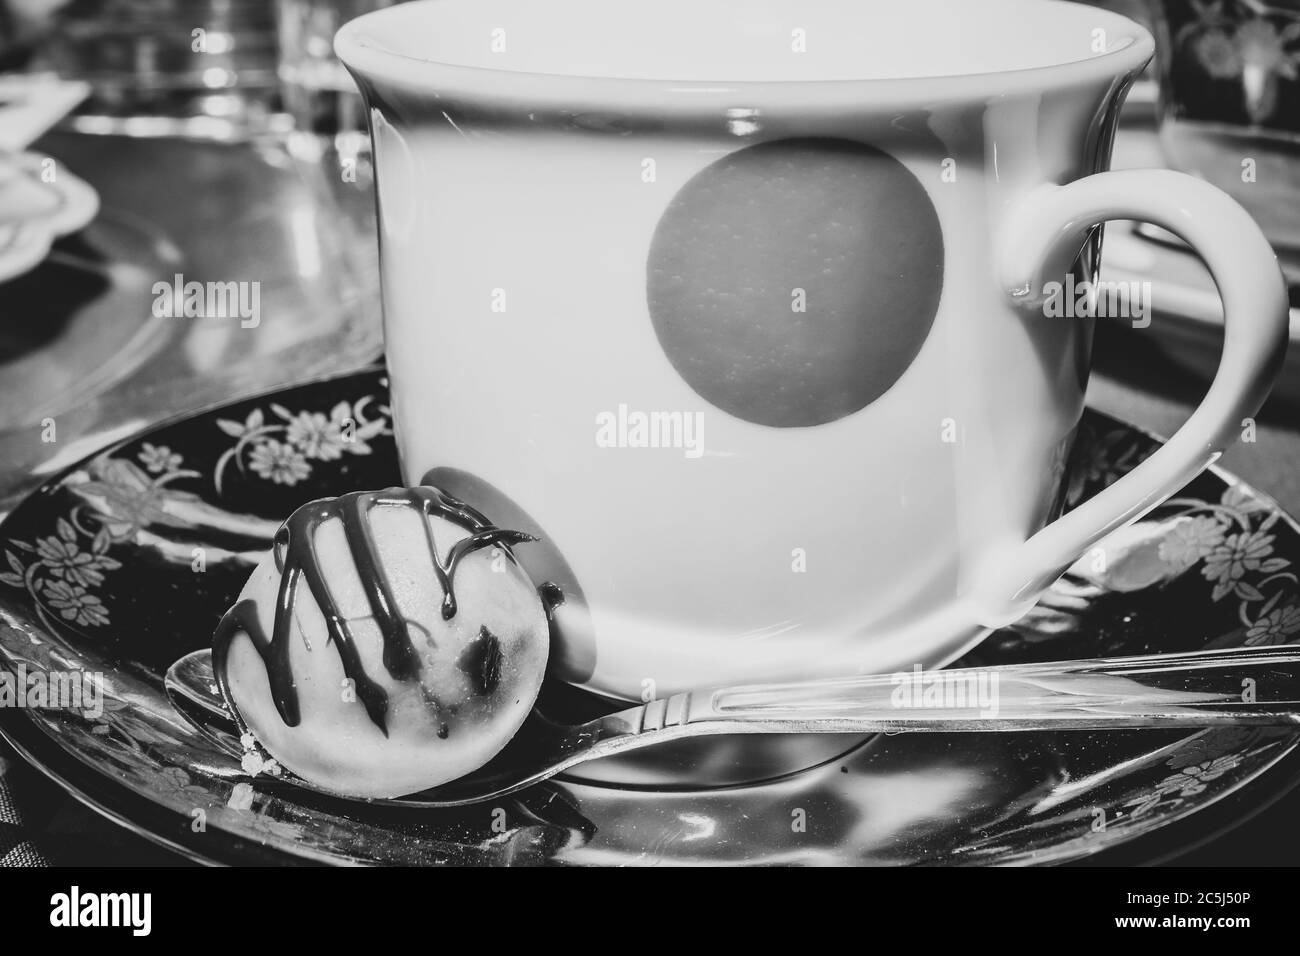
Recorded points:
389,643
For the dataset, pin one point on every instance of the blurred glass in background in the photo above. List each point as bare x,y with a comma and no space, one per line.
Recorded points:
328,116
1230,103
318,92
157,64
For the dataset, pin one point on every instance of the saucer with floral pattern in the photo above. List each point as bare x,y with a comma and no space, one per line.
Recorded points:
125,562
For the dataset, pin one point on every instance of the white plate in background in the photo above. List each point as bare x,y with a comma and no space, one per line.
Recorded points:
40,201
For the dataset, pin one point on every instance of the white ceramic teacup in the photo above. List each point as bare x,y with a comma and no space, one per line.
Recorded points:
803,247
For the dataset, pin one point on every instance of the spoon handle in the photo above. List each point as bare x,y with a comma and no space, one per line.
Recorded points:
1239,686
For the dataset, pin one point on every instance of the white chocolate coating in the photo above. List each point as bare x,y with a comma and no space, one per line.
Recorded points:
336,745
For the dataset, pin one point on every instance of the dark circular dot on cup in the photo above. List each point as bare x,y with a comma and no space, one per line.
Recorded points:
573,644
793,282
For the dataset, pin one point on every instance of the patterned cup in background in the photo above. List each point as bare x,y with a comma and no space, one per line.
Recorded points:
1230,103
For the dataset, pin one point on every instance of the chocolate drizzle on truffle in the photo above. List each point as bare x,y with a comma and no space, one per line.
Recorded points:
552,597
480,661
297,560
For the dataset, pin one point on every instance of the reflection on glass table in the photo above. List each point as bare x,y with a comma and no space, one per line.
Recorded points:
86,345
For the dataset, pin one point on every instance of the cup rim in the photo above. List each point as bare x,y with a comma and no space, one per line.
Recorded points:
370,63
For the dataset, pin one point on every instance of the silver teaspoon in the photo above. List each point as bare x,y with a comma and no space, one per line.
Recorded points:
1238,686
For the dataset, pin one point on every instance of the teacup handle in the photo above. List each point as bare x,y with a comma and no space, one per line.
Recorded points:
1041,237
